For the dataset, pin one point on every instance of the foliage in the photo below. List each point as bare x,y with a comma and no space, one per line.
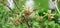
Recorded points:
15,19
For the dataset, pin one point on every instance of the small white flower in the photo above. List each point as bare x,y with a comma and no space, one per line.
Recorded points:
52,4
29,4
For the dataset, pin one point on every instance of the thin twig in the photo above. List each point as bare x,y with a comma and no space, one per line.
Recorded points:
16,4
57,9
6,5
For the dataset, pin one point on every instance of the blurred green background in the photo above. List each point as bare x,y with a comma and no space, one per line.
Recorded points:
7,18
